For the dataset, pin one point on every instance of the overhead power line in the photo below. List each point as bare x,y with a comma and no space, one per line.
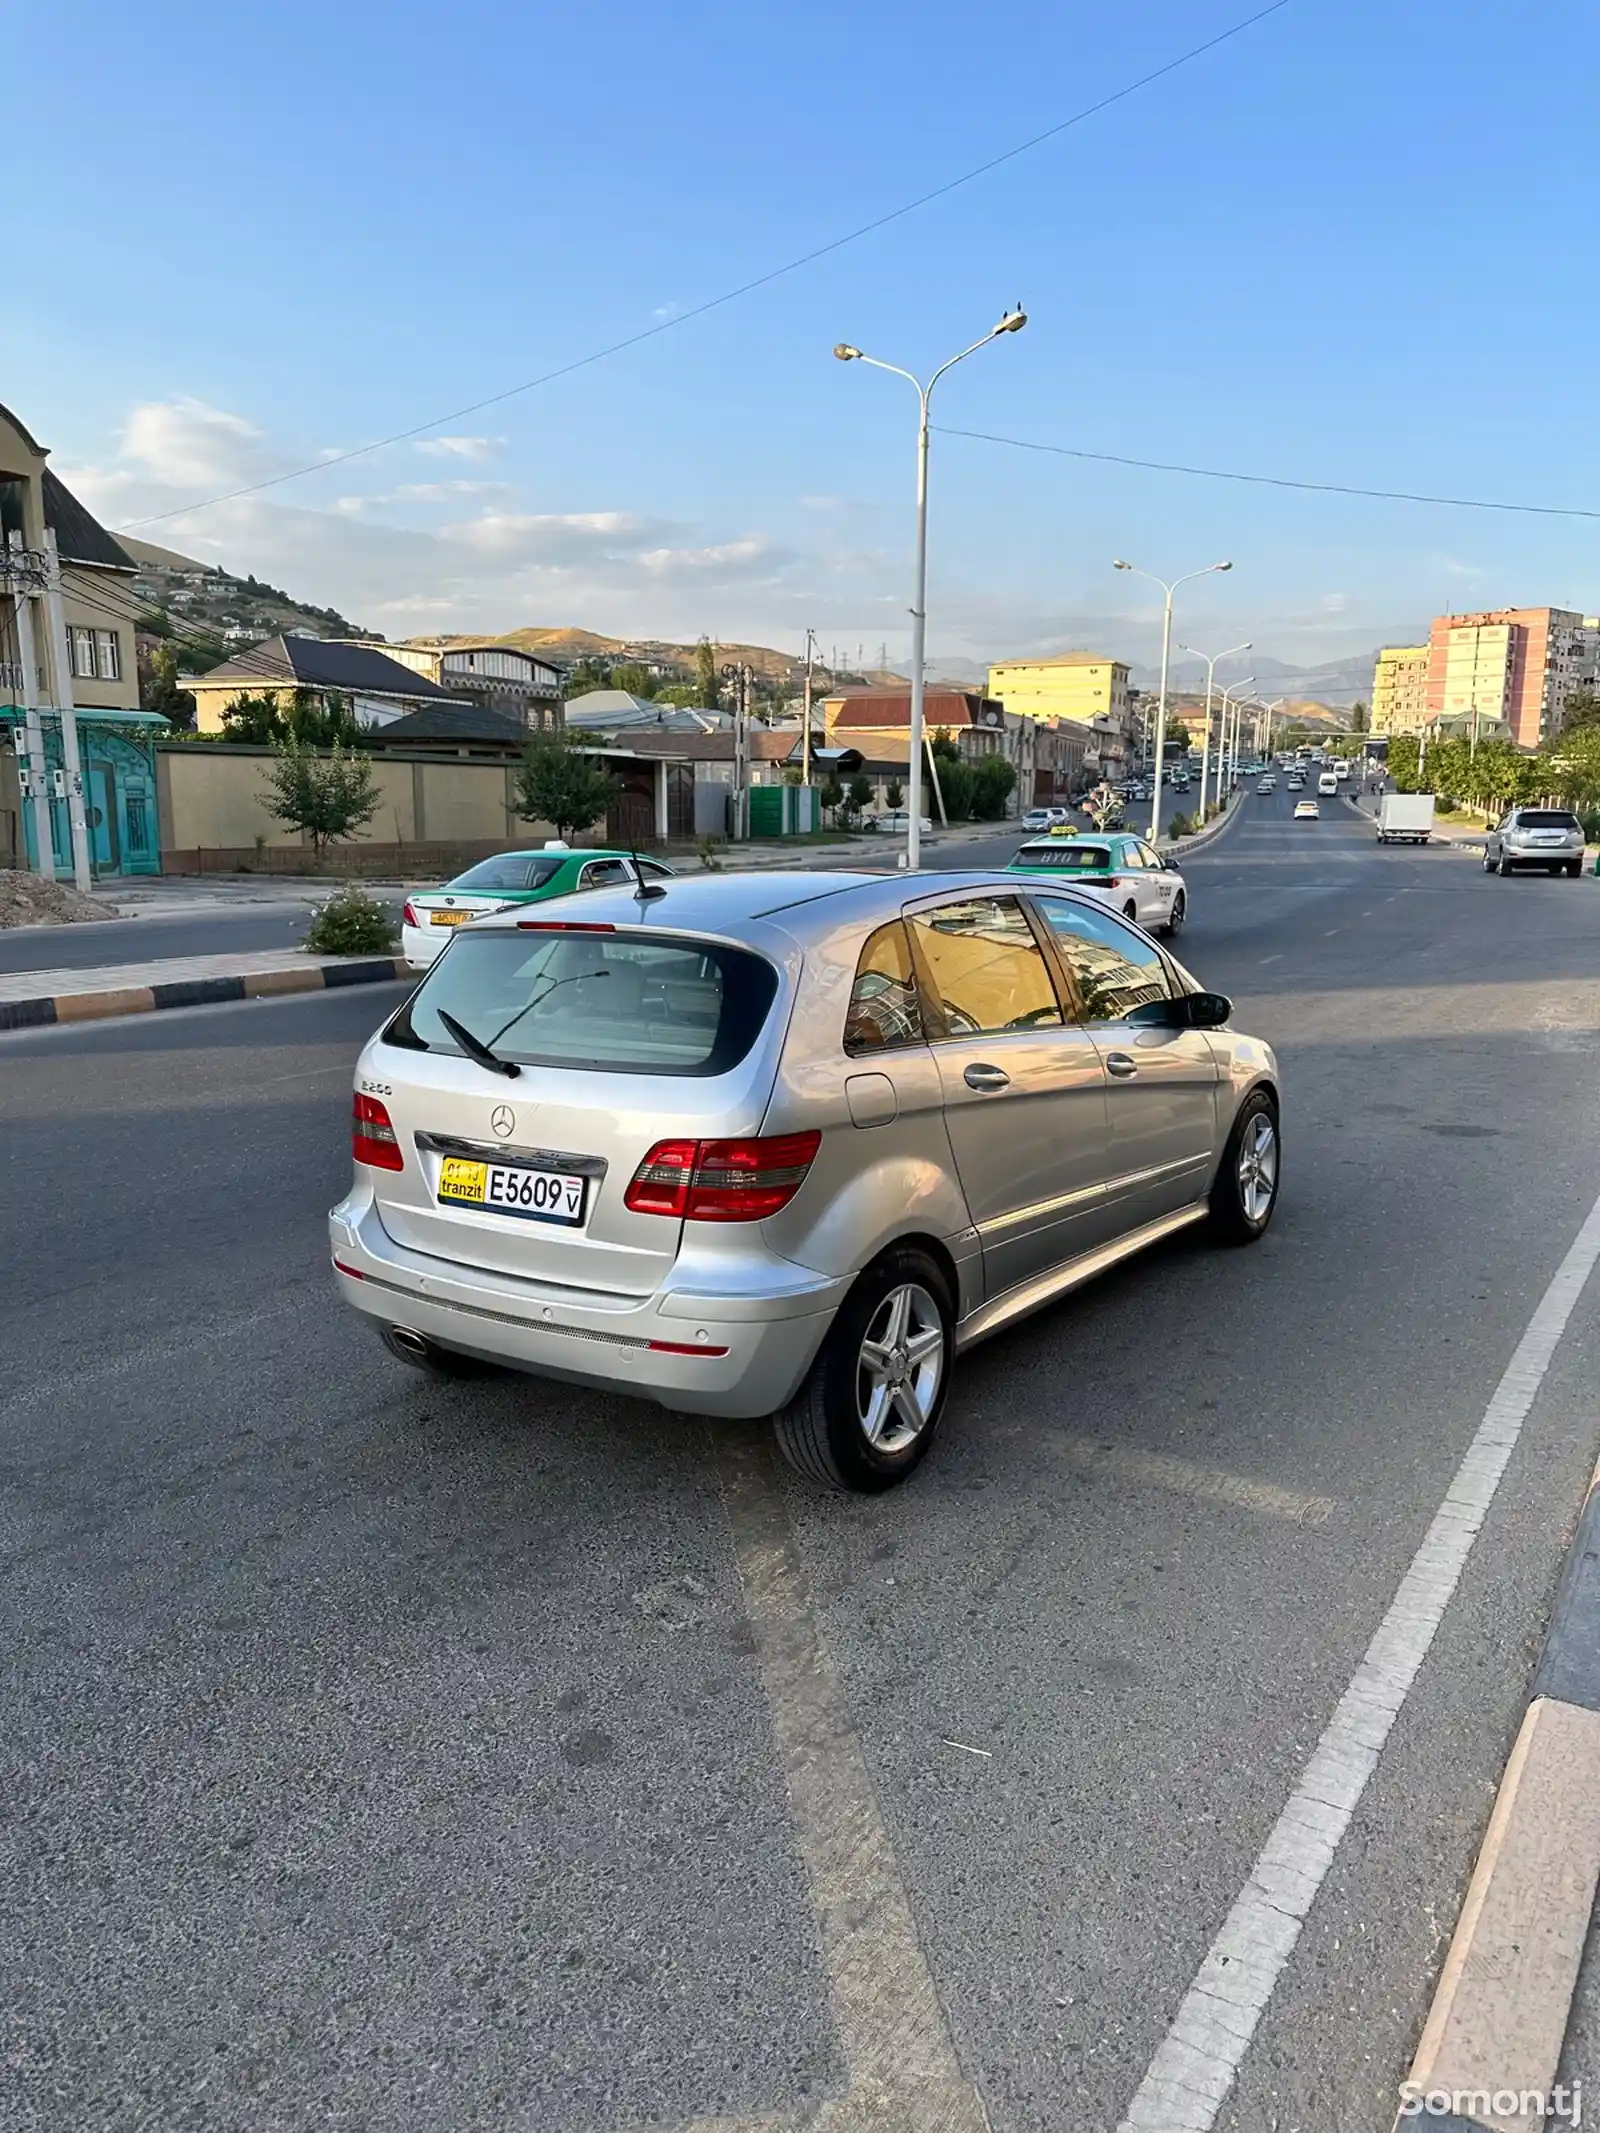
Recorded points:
1271,481
728,296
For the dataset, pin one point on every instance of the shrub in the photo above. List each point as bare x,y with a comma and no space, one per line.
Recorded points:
350,923
708,849
1181,826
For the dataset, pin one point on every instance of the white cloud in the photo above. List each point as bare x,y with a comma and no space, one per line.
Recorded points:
666,310
461,447
186,445
556,537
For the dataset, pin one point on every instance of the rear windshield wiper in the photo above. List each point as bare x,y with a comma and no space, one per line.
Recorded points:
475,1048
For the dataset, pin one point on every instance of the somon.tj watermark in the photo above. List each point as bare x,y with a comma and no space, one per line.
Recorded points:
1560,2106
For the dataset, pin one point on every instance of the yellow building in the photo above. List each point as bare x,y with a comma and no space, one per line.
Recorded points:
1082,686
1400,689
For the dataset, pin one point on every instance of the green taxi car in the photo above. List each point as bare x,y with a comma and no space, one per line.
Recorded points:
512,878
1119,868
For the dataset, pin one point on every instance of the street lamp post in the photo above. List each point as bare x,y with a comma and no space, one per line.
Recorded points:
1205,746
1227,758
1166,661
1013,322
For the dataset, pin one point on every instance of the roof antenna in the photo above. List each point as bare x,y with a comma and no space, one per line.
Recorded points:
644,892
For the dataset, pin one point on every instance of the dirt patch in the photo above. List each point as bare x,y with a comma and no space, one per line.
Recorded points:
30,900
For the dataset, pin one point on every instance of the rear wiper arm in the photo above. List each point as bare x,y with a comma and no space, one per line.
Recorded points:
475,1048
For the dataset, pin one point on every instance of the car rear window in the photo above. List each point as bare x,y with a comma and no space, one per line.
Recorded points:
1547,818
509,871
1067,855
627,1003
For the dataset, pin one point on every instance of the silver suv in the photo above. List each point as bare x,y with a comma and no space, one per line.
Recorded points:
1548,837
783,1144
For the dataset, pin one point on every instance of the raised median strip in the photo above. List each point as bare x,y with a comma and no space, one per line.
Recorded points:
1490,2053
34,999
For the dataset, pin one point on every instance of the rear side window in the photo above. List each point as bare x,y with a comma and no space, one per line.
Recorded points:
986,969
1546,818
885,1010
625,1003
510,871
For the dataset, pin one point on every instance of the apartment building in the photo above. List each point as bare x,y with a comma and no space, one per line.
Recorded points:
1516,663
498,677
1082,686
1400,689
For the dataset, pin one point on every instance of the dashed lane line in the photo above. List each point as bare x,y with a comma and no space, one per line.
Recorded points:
904,2074
1189,2078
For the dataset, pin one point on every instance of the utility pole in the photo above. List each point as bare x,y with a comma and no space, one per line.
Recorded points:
23,576
740,678
805,728
72,760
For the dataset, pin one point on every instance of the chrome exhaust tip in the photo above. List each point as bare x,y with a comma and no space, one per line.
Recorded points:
411,1346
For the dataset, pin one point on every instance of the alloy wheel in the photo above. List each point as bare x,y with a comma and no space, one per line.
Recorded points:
1258,1167
899,1368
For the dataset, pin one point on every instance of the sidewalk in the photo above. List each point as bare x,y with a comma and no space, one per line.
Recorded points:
33,999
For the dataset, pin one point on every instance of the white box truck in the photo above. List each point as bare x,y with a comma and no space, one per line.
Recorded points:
1405,818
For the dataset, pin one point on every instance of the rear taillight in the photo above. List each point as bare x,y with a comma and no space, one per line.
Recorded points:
408,916
373,1139
722,1181
1112,881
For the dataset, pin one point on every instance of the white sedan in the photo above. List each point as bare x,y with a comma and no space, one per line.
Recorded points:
1307,811
1121,869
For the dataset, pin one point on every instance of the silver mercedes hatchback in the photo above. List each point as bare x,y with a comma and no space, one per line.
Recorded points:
783,1144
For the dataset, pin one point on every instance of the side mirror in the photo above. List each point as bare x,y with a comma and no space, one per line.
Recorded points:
1191,1010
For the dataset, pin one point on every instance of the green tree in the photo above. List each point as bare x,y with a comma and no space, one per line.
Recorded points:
1177,738
832,795
944,748
313,718
705,674
1358,717
993,777
685,694
254,719
858,794
326,797
560,785
161,690
1582,708
637,680
895,793
587,673
955,782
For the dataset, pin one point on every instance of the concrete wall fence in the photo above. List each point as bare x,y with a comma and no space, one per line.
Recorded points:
436,812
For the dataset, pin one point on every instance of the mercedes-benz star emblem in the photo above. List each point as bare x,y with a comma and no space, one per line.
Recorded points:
503,1119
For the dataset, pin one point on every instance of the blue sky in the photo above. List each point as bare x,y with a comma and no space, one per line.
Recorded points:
1348,245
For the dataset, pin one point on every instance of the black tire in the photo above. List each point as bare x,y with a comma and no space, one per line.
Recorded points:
1504,868
821,1432
1488,863
1175,919
1557,870
434,1361
1231,1219
1130,910
1574,868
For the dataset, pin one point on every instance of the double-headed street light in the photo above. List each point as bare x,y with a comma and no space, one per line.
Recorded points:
1013,322
1212,660
1166,661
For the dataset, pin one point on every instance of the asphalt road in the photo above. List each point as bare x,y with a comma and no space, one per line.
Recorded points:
395,1757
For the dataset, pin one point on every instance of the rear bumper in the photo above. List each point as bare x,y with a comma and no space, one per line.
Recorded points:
1518,855
767,1341
423,945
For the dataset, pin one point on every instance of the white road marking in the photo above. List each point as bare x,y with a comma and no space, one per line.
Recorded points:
1272,959
1189,2078
1332,930
904,2073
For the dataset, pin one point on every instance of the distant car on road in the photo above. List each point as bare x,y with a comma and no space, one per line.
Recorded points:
1038,818
1307,811
430,919
1122,869
895,821
1295,783
1267,785
621,1145
1548,837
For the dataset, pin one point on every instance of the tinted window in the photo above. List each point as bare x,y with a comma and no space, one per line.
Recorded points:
1113,968
985,967
510,871
884,1009
1069,855
1546,818
606,874
623,1003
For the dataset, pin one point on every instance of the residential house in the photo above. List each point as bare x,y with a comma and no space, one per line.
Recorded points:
98,607
618,711
379,689
500,677
878,722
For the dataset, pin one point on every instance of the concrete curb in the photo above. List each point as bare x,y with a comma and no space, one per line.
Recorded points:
41,1013
1499,2016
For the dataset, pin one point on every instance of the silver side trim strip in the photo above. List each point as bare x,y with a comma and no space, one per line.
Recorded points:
1042,1210
1028,1296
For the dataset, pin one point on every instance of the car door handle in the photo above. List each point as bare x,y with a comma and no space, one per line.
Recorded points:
986,1079
1121,1065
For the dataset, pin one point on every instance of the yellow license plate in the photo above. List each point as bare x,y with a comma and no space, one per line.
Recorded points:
460,1179
449,918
